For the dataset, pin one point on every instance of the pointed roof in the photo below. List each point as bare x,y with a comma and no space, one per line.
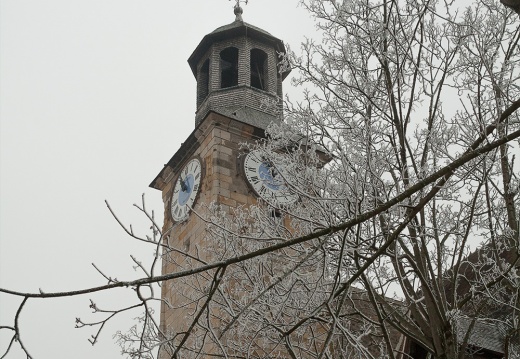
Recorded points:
236,29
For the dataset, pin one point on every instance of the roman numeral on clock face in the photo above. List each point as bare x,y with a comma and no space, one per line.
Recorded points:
254,180
264,192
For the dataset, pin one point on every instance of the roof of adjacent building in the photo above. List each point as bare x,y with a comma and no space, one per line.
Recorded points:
485,334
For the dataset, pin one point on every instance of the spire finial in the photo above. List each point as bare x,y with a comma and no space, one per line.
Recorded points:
238,10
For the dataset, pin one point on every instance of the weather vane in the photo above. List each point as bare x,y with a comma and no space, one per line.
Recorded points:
238,10
239,1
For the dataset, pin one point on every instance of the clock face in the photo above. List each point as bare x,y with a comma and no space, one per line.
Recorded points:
185,190
266,179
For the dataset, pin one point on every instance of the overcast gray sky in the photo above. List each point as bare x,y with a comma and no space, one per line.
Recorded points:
95,96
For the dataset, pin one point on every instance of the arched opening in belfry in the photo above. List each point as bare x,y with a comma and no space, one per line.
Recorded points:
203,82
258,69
229,67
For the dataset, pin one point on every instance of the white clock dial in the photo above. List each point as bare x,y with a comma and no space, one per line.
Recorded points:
185,190
266,179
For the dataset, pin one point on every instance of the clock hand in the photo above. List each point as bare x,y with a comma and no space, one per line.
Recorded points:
184,187
272,170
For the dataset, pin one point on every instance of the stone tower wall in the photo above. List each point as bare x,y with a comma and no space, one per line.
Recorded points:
223,183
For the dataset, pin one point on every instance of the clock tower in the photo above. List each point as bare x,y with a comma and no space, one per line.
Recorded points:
239,92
